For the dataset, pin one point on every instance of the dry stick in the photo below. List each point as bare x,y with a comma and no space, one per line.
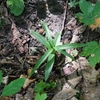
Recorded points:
63,23
72,86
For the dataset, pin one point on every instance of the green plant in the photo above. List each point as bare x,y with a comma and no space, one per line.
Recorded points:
89,12
12,87
16,6
73,3
92,51
53,46
78,94
41,87
41,96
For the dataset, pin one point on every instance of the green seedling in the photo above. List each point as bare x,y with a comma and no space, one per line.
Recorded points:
78,94
16,6
41,96
40,89
89,12
53,46
92,51
12,87
73,3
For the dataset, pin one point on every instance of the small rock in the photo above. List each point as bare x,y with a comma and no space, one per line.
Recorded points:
41,31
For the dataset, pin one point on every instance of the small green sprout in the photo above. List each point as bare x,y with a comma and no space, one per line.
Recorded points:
53,46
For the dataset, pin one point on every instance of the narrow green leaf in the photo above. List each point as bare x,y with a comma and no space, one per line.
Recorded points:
40,38
65,53
69,46
0,23
41,60
13,87
57,39
47,33
49,65
0,76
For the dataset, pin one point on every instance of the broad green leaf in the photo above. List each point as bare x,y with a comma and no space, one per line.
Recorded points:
92,51
41,96
86,6
57,39
96,10
40,38
47,33
0,76
79,15
69,46
87,19
39,87
49,65
13,87
89,48
41,60
65,53
16,6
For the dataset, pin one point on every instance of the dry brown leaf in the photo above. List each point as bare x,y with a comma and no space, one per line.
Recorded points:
19,97
27,82
65,94
29,94
71,24
6,98
15,32
75,81
96,24
68,70
67,91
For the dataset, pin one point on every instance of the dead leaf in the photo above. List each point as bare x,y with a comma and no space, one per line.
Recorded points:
29,94
6,98
19,97
71,24
67,91
96,24
15,32
75,81
27,82
65,94
5,79
73,98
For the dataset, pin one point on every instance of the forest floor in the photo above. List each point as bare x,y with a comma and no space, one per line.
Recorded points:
19,51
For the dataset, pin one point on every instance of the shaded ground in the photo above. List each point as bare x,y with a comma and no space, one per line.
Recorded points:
19,50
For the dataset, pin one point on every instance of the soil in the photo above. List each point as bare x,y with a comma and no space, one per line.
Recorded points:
19,51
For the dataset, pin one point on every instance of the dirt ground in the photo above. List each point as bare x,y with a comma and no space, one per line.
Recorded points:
19,50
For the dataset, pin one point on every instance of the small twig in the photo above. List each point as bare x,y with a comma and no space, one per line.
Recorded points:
63,23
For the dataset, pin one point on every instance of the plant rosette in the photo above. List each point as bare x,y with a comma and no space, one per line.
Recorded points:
53,46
